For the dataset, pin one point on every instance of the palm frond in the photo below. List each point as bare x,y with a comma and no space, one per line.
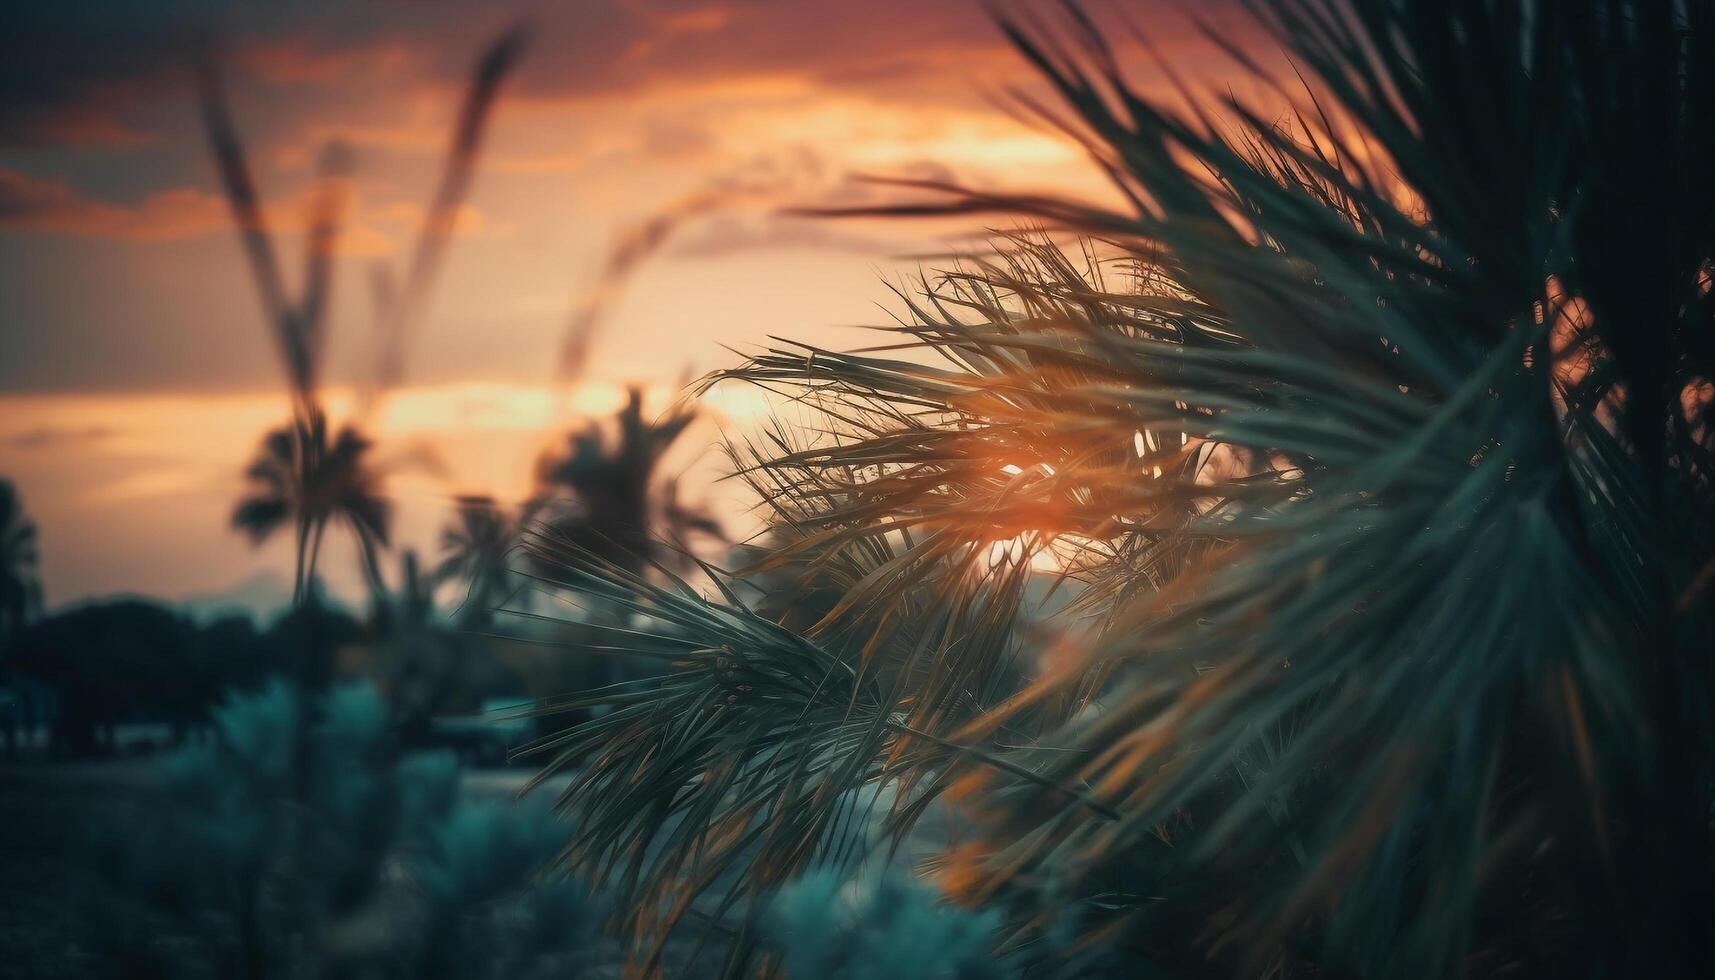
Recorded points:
400,309
742,764
1377,444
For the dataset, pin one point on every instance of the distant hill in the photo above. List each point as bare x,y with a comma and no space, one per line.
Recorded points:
263,596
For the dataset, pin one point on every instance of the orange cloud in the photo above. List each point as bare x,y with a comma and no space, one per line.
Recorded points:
297,61
181,213
469,222
57,207
88,126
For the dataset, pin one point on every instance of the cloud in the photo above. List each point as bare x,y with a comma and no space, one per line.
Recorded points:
407,216
563,162
81,70
55,206
77,71
171,480
305,60
49,437
889,43
70,73
94,122
676,140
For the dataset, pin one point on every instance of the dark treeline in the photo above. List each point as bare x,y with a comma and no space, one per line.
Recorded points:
79,673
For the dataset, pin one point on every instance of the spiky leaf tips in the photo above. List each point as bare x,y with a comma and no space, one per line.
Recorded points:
1375,441
742,765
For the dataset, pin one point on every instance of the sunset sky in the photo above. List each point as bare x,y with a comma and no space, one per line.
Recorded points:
136,371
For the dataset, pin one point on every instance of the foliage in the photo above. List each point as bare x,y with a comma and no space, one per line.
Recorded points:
426,666
129,660
20,561
607,494
1377,445
101,664
475,549
304,477
303,474
20,604
745,755
879,928
379,867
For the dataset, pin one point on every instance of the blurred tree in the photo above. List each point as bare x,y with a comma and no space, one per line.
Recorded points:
108,663
20,564
20,603
608,496
379,866
474,549
420,663
299,479
299,476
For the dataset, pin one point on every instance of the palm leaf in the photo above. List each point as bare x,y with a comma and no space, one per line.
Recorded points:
1377,442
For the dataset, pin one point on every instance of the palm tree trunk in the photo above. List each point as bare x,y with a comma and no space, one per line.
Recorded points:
301,556
378,596
314,557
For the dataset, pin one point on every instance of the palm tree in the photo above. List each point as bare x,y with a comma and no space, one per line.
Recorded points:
474,549
20,572
297,474
1378,442
608,496
302,479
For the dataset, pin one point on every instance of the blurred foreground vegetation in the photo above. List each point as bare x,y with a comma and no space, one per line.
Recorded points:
1373,438
1303,569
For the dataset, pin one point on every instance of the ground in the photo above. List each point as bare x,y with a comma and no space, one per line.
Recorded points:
43,932
47,887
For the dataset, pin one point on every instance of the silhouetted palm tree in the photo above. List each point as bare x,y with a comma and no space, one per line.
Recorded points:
301,479
20,572
416,601
473,549
607,496
298,475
